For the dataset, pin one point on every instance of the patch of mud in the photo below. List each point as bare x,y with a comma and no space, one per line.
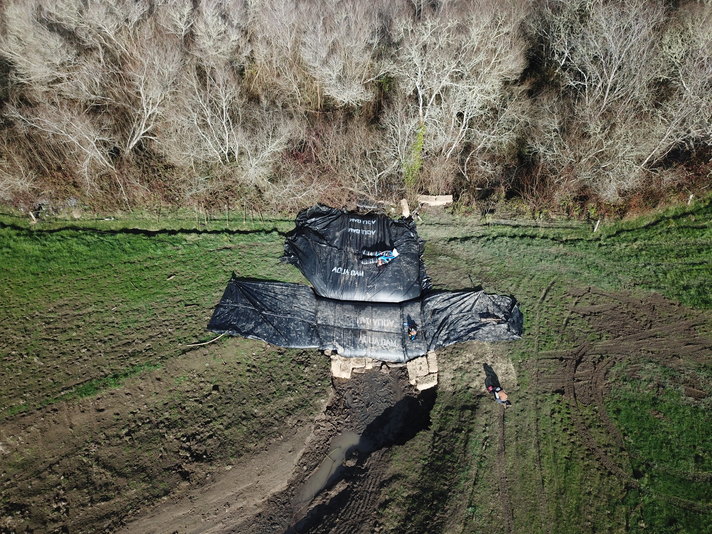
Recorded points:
326,478
91,464
340,446
351,495
234,495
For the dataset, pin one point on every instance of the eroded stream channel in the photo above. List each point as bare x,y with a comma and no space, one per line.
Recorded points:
324,477
337,481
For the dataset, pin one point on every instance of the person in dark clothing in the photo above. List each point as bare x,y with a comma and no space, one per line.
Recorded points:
493,386
411,328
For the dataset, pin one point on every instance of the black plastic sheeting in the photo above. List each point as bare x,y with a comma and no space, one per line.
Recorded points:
355,257
370,297
293,316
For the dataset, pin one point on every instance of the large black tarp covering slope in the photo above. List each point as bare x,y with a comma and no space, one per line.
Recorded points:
291,315
280,313
361,257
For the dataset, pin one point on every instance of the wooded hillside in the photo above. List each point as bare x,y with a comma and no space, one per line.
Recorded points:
130,103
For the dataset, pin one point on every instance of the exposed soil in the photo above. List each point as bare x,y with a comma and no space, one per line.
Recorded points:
327,474
96,457
275,491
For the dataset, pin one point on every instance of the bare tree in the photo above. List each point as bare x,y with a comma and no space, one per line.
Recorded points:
267,141
84,143
386,95
608,60
338,47
606,52
220,32
40,57
128,67
456,61
205,118
350,155
277,74
149,74
175,16
685,118
16,176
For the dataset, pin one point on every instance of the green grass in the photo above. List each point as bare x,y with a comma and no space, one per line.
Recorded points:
81,306
670,446
668,253
102,307
556,484
96,319
112,381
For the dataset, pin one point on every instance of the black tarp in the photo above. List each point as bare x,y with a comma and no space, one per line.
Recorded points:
370,296
277,312
291,315
357,257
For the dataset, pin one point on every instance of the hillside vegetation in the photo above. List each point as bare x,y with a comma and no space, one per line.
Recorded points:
105,408
217,104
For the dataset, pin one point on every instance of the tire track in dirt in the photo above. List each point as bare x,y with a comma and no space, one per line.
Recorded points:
578,417
579,368
264,496
628,327
474,477
507,513
543,503
350,507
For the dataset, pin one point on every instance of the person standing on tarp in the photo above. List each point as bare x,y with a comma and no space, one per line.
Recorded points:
493,386
411,328
412,333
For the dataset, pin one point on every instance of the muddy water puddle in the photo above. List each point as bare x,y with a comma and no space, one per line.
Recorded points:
339,448
375,411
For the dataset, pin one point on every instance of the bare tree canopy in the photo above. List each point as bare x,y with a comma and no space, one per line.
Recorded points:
130,102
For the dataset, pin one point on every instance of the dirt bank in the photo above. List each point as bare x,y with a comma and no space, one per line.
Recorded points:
319,475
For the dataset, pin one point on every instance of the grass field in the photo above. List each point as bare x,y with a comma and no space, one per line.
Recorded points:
638,458
609,432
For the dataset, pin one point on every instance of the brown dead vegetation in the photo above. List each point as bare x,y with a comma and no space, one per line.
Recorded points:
124,104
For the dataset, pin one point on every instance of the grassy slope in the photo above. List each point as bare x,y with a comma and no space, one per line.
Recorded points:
86,311
96,307
87,314
554,482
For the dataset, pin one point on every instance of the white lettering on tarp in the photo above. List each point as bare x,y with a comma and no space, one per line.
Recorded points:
381,342
345,271
362,221
369,322
369,261
361,232
394,252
